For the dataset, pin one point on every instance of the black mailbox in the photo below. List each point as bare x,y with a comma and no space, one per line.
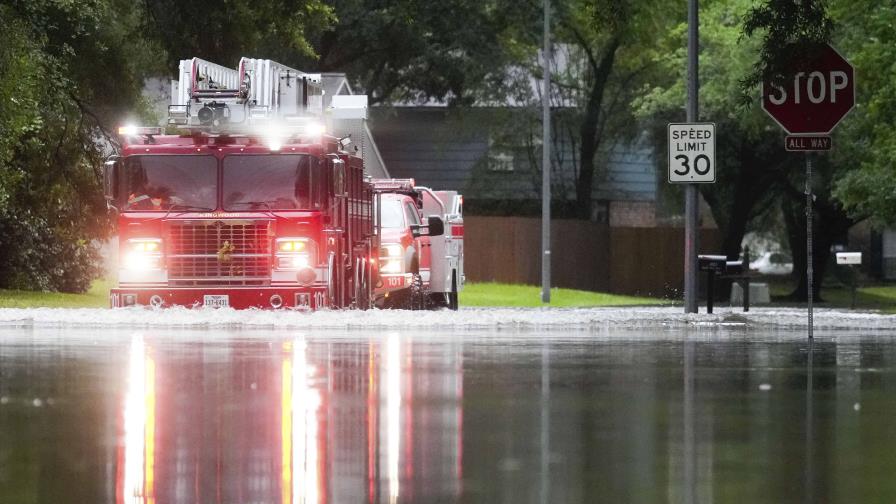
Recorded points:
713,263
734,268
719,265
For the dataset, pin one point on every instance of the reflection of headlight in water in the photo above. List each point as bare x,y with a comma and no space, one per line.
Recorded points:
393,413
301,433
138,474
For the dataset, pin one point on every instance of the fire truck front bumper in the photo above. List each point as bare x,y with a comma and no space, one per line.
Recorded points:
310,298
393,282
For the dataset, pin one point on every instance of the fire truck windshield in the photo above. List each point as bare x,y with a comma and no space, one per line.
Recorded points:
272,182
170,182
392,214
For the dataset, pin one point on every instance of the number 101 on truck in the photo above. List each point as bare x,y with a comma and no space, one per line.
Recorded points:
254,201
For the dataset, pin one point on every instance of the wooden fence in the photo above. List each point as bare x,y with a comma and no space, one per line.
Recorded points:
585,255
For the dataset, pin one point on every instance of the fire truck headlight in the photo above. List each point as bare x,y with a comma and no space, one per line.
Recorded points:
390,258
143,254
292,262
391,266
293,253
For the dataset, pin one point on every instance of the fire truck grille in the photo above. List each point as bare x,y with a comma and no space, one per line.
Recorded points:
215,253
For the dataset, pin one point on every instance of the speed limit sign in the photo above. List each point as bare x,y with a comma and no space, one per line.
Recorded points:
692,153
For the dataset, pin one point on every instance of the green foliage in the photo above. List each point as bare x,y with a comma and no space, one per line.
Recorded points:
866,141
417,50
53,105
70,71
791,32
750,155
224,31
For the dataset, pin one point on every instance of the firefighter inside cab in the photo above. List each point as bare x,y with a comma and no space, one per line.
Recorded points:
160,183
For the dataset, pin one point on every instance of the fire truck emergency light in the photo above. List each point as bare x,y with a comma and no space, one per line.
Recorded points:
275,134
131,130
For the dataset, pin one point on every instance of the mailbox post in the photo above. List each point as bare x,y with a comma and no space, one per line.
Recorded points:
712,265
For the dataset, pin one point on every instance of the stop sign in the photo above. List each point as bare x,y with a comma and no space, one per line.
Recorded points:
816,99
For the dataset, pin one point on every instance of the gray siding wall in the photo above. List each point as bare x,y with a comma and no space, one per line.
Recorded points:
446,149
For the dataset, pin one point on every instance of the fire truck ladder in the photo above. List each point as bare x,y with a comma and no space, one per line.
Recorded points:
209,96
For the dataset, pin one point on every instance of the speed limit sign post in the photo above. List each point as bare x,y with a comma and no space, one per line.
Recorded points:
692,153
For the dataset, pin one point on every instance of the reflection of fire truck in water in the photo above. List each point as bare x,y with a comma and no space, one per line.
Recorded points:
256,202
419,270
299,422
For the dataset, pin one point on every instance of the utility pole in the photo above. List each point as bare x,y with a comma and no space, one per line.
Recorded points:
546,159
691,202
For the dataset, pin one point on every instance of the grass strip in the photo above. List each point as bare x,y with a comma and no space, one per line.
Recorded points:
498,294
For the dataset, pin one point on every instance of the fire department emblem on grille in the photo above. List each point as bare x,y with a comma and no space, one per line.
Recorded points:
219,252
225,253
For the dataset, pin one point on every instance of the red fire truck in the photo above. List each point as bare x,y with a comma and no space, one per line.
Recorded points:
254,201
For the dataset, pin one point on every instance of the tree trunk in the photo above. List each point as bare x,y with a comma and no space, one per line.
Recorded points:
589,138
830,226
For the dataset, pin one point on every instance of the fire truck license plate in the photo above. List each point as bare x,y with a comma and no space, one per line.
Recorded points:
216,301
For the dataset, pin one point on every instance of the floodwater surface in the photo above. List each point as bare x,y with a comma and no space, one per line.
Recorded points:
189,416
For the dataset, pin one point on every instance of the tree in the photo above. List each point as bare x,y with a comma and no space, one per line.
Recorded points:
417,50
866,141
225,31
615,52
790,34
67,76
750,156
74,70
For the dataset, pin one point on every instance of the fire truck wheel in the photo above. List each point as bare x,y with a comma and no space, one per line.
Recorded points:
331,280
362,299
437,300
452,296
416,294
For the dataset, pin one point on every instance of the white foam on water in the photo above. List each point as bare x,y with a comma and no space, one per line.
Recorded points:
465,319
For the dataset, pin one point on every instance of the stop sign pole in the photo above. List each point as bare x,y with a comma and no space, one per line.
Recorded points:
812,102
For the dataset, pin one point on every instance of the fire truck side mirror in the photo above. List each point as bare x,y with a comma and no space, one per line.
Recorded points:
434,227
110,182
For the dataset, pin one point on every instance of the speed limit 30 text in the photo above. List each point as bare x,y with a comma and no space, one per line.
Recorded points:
692,153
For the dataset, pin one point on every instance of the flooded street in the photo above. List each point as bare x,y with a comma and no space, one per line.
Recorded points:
720,414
